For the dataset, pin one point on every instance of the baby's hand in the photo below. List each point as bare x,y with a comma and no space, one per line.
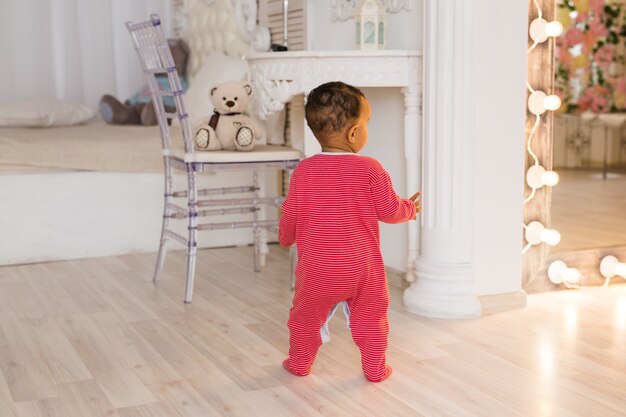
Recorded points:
417,200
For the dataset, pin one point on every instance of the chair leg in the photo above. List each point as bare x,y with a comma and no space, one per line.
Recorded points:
192,196
166,221
256,230
162,251
191,270
263,249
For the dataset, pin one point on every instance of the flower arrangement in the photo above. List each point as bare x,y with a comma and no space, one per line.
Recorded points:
590,56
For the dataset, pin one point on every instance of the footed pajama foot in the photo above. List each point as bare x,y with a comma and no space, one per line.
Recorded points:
292,371
387,374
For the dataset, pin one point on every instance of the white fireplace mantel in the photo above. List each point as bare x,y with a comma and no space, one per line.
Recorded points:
282,77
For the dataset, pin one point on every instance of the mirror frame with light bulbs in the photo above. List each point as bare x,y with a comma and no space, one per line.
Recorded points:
538,258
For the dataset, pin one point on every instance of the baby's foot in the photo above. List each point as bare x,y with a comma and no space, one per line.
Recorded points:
292,371
387,374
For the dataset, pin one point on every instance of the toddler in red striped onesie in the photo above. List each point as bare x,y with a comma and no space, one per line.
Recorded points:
335,201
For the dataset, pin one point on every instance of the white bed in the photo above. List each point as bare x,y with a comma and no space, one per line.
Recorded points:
96,189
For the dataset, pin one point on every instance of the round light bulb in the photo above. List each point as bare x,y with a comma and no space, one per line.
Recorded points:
550,178
537,30
536,102
537,177
610,267
552,102
554,28
571,275
536,233
550,237
558,272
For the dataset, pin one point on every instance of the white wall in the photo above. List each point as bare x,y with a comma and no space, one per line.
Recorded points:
386,143
404,29
386,129
500,36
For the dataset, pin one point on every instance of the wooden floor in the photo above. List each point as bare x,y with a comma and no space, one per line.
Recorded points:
588,211
97,338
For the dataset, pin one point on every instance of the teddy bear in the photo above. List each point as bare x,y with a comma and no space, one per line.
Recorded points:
229,128
138,110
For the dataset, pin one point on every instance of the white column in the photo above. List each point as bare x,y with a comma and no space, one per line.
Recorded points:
445,283
412,127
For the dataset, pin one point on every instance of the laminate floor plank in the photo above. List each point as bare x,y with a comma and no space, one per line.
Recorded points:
97,337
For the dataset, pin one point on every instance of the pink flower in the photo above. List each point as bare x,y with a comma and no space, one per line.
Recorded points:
604,56
600,105
584,103
564,56
597,6
581,17
598,28
620,85
596,98
589,41
574,36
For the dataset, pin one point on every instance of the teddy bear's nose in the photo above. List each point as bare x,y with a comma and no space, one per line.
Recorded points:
230,103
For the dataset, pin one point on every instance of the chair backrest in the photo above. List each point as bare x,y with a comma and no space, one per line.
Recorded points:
156,60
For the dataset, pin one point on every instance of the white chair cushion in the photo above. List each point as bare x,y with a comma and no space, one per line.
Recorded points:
261,153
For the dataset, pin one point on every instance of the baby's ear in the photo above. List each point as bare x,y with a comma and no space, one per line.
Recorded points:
351,134
248,89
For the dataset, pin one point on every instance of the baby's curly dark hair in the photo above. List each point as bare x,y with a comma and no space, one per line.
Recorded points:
331,106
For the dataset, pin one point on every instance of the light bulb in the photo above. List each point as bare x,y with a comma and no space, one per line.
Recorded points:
539,102
536,233
550,178
540,29
611,267
554,28
552,102
550,237
571,275
537,30
536,102
559,272
537,177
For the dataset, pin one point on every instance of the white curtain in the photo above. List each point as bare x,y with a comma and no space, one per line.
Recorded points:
71,49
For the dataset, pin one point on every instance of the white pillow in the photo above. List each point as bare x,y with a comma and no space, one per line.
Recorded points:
43,112
216,68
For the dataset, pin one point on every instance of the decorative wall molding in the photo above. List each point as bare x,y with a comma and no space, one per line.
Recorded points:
345,9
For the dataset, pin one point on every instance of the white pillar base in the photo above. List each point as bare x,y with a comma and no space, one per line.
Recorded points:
443,291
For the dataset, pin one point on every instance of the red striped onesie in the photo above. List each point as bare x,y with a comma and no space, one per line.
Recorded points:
332,211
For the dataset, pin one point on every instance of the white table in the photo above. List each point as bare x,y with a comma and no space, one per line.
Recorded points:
281,77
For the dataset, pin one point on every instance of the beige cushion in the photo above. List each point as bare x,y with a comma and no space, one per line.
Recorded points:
261,153
43,112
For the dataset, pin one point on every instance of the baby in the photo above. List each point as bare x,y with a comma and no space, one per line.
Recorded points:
336,199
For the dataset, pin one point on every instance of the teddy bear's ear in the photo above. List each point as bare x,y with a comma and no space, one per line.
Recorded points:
213,90
248,89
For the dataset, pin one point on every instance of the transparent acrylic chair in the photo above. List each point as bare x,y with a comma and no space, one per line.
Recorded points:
156,59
